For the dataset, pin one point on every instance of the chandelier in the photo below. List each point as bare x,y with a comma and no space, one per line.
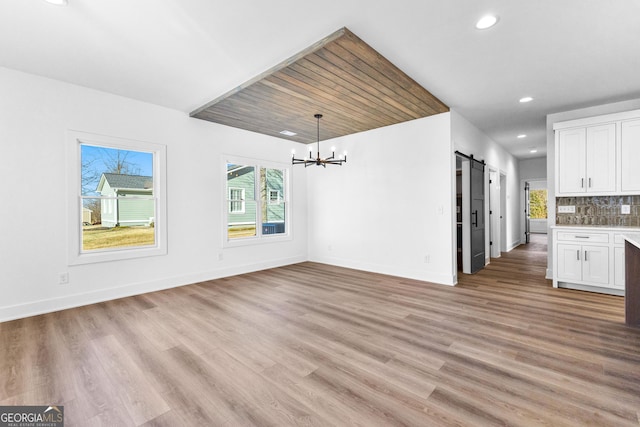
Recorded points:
318,161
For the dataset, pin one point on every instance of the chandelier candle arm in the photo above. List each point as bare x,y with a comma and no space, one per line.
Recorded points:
319,161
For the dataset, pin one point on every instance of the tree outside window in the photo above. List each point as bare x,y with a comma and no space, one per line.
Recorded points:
538,204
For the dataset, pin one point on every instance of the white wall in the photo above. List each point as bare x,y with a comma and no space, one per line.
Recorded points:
471,141
616,107
533,169
390,208
35,113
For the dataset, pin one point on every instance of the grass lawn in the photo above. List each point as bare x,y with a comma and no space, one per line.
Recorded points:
96,237
242,231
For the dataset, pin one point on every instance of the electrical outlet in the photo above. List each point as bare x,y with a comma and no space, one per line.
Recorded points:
63,278
566,209
427,258
220,256
625,209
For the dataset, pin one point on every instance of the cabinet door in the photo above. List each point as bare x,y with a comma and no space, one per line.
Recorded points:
571,161
618,268
569,262
595,264
601,158
630,153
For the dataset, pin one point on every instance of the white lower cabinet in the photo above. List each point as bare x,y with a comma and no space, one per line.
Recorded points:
618,267
582,263
589,260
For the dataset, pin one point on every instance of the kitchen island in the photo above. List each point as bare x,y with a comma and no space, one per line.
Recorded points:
632,279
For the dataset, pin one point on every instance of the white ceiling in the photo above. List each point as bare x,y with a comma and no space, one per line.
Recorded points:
183,53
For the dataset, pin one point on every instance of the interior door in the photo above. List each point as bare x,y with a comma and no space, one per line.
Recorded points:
477,216
527,216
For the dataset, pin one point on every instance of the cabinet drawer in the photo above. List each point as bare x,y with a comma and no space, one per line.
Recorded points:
583,237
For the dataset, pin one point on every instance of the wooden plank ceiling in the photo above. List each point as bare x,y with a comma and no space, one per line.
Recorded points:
353,86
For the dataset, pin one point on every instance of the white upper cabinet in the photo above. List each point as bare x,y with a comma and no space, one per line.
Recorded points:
571,160
630,155
598,155
601,159
587,159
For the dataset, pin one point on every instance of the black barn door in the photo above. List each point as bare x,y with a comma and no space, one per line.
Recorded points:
477,216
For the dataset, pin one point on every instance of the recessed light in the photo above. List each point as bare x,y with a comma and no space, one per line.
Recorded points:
522,135
487,21
533,150
58,2
526,99
288,133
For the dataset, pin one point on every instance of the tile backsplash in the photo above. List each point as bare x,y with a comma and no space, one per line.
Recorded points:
599,210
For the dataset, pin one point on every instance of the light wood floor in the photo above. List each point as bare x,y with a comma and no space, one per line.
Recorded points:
311,344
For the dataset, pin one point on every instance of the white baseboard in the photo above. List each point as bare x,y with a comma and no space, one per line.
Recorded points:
34,308
513,245
390,270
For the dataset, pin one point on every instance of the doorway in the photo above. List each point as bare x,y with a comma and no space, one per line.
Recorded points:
470,213
534,209
494,213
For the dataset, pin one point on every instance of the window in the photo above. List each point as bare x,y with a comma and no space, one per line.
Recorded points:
236,200
538,204
274,197
117,190
256,194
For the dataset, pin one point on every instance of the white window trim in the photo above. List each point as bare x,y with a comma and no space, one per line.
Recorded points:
259,238
75,254
278,199
242,199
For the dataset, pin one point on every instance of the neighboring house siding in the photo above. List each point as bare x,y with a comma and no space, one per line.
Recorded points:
275,211
246,182
135,211
126,210
86,216
273,208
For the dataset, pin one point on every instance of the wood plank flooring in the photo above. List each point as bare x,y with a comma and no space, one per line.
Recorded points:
316,345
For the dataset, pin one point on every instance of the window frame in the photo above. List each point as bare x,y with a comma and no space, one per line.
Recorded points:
78,256
260,237
545,192
278,198
230,201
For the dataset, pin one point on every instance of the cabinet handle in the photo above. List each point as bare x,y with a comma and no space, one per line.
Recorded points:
581,182
589,182
578,254
581,237
585,256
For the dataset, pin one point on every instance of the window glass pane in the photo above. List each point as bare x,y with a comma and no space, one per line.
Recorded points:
272,200
538,204
241,200
118,204
236,200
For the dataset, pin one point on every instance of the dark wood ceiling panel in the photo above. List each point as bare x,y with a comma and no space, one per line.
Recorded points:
353,86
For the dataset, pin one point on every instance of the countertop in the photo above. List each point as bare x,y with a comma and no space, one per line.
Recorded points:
616,228
633,238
